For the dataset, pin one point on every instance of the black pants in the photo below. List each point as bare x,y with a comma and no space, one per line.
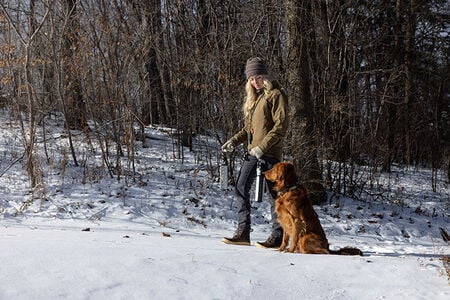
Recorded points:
245,180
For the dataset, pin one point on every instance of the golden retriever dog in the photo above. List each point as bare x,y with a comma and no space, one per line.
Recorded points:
302,230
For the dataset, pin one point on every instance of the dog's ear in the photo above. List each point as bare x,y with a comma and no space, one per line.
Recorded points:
281,171
278,170
290,174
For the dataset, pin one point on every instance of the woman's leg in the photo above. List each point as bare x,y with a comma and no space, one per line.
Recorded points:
275,238
246,177
244,182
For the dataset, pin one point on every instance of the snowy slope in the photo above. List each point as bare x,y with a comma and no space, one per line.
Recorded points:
84,235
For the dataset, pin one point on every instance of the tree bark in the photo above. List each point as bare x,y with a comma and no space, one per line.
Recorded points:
76,110
302,140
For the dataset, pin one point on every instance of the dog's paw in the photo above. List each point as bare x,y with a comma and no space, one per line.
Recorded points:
281,248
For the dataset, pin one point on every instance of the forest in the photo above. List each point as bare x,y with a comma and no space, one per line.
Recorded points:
367,81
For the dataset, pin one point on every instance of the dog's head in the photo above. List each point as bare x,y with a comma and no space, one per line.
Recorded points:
283,174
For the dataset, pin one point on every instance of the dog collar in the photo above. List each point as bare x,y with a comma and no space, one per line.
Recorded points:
281,193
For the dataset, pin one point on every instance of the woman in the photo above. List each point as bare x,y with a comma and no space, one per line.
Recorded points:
266,121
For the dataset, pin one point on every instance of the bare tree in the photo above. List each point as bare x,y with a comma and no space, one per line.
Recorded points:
29,134
75,110
367,80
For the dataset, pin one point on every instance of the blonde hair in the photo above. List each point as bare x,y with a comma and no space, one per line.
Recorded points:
252,96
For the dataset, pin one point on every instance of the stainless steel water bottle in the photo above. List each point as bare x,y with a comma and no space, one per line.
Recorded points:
259,182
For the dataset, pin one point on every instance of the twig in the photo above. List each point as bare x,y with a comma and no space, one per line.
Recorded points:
12,164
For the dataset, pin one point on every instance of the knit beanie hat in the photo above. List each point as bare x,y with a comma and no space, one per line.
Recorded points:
255,66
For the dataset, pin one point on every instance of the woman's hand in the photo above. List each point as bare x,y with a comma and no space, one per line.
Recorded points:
257,152
228,146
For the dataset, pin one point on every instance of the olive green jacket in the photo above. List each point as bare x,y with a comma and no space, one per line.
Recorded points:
266,126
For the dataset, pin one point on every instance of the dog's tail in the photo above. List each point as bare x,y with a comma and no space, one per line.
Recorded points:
347,251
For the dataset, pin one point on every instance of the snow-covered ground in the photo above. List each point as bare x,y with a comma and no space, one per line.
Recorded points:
85,235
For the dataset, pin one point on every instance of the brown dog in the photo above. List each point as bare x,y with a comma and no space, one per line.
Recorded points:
302,230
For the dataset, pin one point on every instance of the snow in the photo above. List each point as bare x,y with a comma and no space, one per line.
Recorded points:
85,235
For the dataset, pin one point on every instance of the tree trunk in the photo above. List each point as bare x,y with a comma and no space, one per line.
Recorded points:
76,110
150,16
302,143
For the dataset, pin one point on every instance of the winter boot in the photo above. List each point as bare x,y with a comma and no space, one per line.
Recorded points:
240,237
273,241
